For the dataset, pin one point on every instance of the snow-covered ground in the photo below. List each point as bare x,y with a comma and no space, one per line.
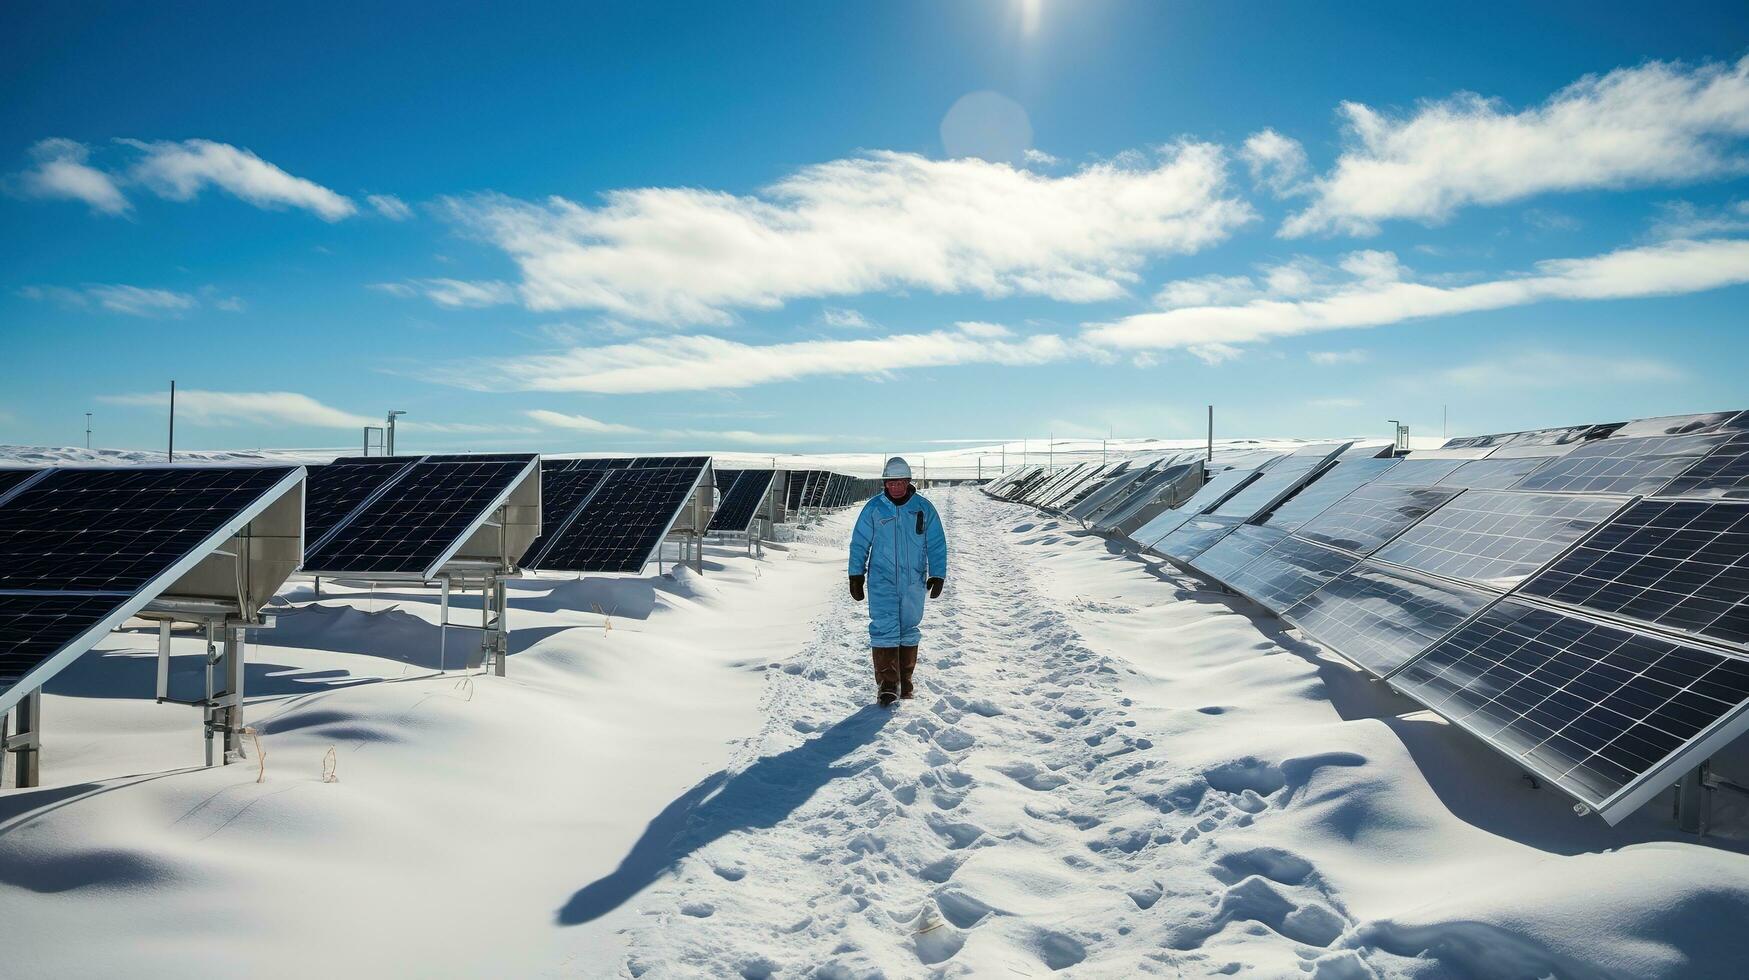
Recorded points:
1108,772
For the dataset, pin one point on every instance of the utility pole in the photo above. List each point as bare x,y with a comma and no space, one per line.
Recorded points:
389,435
1211,450
1051,454
87,430
170,449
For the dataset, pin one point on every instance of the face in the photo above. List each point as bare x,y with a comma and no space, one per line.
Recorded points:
897,488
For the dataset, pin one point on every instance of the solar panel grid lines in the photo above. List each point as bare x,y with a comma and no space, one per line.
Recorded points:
1263,493
624,520
1317,495
415,523
1210,495
1167,483
1372,515
1412,472
741,502
563,495
1672,425
1677,565
102,544
1626,466
1496,538
11,481
1493,473
113,529
1605,712
1288,572
1381,618
1722,474
1245,544
335,492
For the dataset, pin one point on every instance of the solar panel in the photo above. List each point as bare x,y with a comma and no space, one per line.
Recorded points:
1381,619
1496,538
1492,473
1292,570
1314,497
1155,491
1626,466
1198,535
83,530
417,522
742,500
1372,515
1112,490
1276,482
82,549
1721,475
1678,564
1412,472
338,488
620,525
1608,714
12,478
561,494
1246,544
1211,493
1671,425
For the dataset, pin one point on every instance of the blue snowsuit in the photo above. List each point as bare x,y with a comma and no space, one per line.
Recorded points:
899,547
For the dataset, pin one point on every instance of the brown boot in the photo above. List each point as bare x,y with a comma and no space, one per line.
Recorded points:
886,668
907,663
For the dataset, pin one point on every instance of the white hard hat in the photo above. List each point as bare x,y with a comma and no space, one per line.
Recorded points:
896,469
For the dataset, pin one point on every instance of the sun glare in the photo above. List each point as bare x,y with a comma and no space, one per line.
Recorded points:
1030,12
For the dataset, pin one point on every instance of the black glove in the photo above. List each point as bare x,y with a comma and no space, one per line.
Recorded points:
935,588
856,587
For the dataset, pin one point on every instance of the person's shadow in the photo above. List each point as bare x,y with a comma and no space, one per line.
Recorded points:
759,796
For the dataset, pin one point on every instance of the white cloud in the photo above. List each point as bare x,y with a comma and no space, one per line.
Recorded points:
1040,158
1326,358
886,221
700,362
1277,162
389,206
181,170
1372,298
1545,369
116,298
843,319
578,423
454,293
1659,123
977,328
1205,291
223,408
1681,219
62,173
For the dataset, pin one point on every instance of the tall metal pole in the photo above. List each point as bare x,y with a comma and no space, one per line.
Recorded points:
87,430
1051,455
1211,449
170,450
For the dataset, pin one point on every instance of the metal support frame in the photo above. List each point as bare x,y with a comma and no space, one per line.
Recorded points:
1693,801
24,743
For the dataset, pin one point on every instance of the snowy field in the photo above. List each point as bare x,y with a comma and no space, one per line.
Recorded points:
1108,772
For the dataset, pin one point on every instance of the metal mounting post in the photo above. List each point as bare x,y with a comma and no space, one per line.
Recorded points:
231,712
1692,797
25,743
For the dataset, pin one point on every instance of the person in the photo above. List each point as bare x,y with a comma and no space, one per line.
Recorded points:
898,552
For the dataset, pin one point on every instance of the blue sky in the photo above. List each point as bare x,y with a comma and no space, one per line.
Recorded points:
865,226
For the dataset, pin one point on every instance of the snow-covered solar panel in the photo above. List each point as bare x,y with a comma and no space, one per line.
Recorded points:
1723,474
1217,489
1413,472
1369,517
1246,544
1672,425
1381,618
1315,497
1496,538
1493,473
1196,536
1677,564
1277,482
1627,466
1608,714
1290,571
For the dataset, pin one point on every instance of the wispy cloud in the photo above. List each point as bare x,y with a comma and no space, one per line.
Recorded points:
1276,162
579,423
389,206
1682,219
1326,358
454,293
1377,293
179,171
223,408
884,221
61,172
843,319
1658,123
117,298
1545,369
703,362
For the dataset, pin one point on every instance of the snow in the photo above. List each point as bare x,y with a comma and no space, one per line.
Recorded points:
1109,771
